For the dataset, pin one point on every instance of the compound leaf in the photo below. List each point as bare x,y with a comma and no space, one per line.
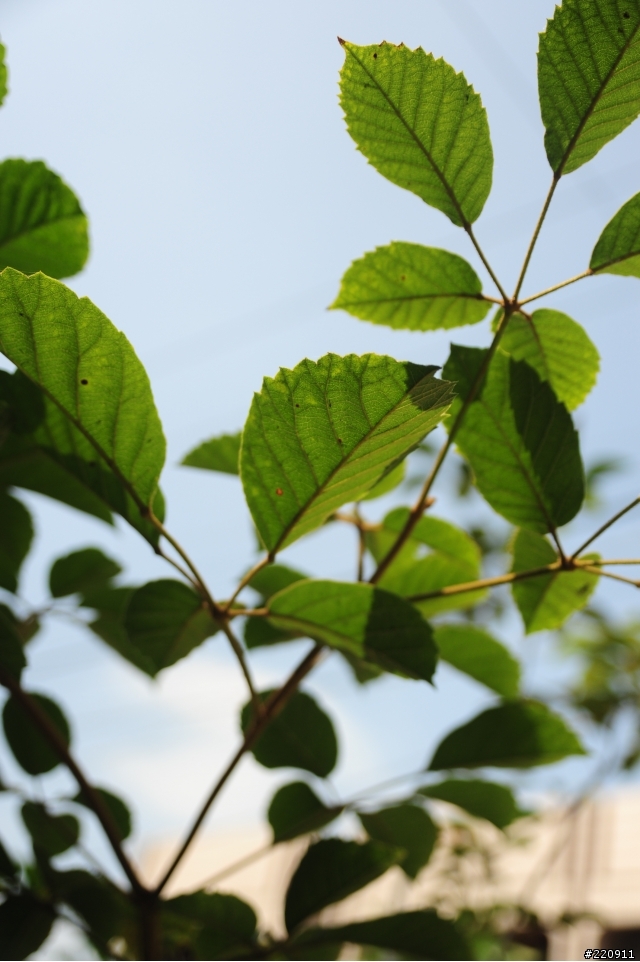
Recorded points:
618,247
96,412
296,810
218,454
81,571
472,650
516,734
546,601
415,935
588,78
51,834
42,225
17,534
420,124
407,827
300,736
360,619
487,800
25,923
30,748
407,286
332,869
326,432
558,349
165,620
520,442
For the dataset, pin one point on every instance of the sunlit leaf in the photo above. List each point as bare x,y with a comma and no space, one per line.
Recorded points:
472,650
300,736
588,78
360,619
548,600
388,482
81,571
558,349
30,748
420,124
52,834
42,225
324,433
618,247
3,73
407,827
520,442
218,454
482,799
412,287
296,810
332,869
517,734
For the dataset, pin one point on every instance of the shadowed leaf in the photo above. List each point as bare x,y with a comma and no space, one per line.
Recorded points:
407,827
16,527
51,834
487,800
472,650
30,748
81,571
300,736
296,810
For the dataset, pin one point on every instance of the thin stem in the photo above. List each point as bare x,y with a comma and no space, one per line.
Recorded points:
469,229
596,562
610,574
271,708
556,287
158,525
362,545
240,655
505,579
536,233
248,613
239,864
92,797
604,527
246,579
421,504
183,571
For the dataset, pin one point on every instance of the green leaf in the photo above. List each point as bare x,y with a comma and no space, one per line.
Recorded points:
618,247
8,868
388,482
475,652
407,827
274,578
326,432
362,620
454,559
414,935
165,620
517,734
487,800
112,604
363,671
218,454
218,926
17,533
52,834
3,73
300,736
12,659
558,349
332,869
296,810
420,124
520,442
100,422
42,225
119,811
30,748
547,600
81,571
411,287
25,923
588,78
106,910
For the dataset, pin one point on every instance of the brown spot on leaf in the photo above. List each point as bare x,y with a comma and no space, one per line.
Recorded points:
279,491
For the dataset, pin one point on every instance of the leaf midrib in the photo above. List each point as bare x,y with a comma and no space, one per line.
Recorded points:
34,228
410,297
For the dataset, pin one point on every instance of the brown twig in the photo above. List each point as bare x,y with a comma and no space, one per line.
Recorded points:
556,287
240,655
606,525
245,581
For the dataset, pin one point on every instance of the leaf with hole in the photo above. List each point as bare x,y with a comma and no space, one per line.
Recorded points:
407,827
420,124
487,800
475,652
300,736
618,247
17,534
97,419
548,600
558,349
119,811
588,78
165,620
42,225
360,619
30,748
296,810
326,432
407,286
51,834
519,440
81,571
218,454
332,869
516,734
